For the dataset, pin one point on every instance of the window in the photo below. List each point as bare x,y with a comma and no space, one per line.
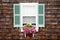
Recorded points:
33,13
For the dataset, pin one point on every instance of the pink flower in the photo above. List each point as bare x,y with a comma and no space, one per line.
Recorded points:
29,30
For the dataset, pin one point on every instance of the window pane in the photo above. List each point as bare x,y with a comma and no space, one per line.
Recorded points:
29,19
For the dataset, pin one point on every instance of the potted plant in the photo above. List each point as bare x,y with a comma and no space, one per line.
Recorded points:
29,30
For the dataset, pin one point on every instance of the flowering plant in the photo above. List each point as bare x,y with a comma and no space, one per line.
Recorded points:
29,29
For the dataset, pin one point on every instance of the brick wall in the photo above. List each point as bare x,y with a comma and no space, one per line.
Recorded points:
51,31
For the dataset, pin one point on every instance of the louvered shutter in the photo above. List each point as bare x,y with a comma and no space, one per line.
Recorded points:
16,21
41,15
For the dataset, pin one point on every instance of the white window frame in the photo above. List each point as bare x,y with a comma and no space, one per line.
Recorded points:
36,17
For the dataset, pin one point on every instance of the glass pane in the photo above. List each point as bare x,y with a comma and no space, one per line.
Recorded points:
40,20
40,9
17,20
29,19
17,9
